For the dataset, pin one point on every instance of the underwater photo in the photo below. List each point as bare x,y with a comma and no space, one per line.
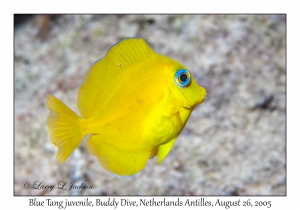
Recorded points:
150,104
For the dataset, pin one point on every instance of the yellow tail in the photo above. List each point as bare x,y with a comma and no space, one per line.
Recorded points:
64,128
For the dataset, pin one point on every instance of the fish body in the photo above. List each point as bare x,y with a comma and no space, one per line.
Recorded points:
133,104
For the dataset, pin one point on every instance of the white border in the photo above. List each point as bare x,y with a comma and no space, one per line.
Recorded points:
161,7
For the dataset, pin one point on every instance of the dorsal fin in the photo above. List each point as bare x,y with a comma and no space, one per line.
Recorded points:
119,57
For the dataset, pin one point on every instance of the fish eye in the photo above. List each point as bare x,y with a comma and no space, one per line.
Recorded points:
182,77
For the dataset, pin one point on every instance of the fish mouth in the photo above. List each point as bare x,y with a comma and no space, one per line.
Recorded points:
191,106
187,106
192,102
200,101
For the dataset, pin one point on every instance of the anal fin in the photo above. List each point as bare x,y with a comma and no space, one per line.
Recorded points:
116,160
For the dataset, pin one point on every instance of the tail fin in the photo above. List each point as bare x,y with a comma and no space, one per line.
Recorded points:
63,125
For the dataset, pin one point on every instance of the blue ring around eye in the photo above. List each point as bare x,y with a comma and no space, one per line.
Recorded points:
178,80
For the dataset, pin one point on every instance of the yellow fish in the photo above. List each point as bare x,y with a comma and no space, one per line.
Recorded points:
133,104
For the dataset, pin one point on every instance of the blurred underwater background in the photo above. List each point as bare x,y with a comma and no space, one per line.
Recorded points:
233,144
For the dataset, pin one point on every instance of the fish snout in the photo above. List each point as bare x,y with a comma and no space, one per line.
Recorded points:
202,95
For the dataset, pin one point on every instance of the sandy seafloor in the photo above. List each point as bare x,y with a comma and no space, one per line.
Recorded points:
233,144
